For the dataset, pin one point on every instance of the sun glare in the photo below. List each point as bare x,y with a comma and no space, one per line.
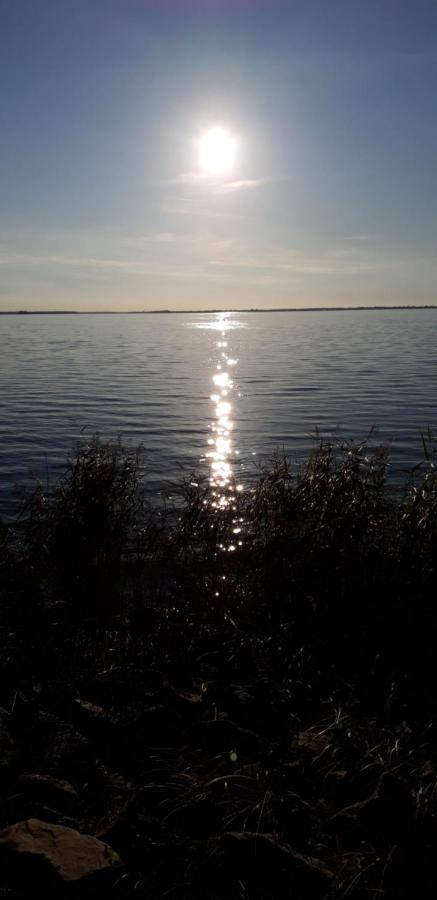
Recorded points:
217,151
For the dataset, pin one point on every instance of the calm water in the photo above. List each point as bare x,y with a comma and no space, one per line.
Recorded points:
149,379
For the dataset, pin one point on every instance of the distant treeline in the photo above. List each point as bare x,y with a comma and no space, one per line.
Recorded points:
133,312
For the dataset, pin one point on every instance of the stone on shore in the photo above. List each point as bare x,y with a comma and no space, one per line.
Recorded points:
48,854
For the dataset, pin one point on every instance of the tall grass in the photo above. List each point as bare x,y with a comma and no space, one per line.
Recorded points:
326,549
288,679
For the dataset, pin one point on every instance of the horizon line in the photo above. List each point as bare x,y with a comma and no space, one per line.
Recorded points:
261,309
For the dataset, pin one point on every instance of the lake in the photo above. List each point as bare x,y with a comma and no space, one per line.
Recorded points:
275,378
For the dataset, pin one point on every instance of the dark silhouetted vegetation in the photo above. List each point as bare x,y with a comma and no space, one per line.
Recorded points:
237,713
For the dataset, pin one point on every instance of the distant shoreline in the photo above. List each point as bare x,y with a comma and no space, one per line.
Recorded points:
154,312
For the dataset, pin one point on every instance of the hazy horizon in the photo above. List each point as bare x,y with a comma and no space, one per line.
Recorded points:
328,200
220,310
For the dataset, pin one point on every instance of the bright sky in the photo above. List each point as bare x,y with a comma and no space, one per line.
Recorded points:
329,194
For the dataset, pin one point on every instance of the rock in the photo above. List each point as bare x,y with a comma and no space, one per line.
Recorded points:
43,797
95,721
313,744
386,817
44,854
107,732
18,808
261,860
49,743
158,725
23,711
6,741
7,746
186,703
65,750
55,792
109,802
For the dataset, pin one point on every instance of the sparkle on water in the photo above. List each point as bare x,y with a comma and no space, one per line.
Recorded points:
220,456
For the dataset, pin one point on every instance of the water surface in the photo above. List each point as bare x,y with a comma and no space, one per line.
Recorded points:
149,379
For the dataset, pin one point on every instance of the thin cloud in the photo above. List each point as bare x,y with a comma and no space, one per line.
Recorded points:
336,261
231,187
159,237
200,257
194,178
105,267
200,179
176,210
90,263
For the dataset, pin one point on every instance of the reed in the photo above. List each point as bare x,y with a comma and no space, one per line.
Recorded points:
268,710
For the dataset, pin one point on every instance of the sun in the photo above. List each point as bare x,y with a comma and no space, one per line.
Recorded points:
217,151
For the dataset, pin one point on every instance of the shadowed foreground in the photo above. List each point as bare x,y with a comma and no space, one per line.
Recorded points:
256,723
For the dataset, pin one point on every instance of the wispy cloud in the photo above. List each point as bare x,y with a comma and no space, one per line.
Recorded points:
168,269
85,263
176,210
204,211
195,178
152,238
230,187
360,237
160,237
161,257
334,261
200,179
74,261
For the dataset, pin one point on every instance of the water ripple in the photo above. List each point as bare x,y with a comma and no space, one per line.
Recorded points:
149,379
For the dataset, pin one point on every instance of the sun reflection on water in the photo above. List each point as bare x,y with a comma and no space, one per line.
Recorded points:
223,497
221,454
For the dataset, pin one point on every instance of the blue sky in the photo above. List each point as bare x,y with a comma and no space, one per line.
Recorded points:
333,199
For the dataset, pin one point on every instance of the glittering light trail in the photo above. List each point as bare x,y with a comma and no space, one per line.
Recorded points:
221,453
